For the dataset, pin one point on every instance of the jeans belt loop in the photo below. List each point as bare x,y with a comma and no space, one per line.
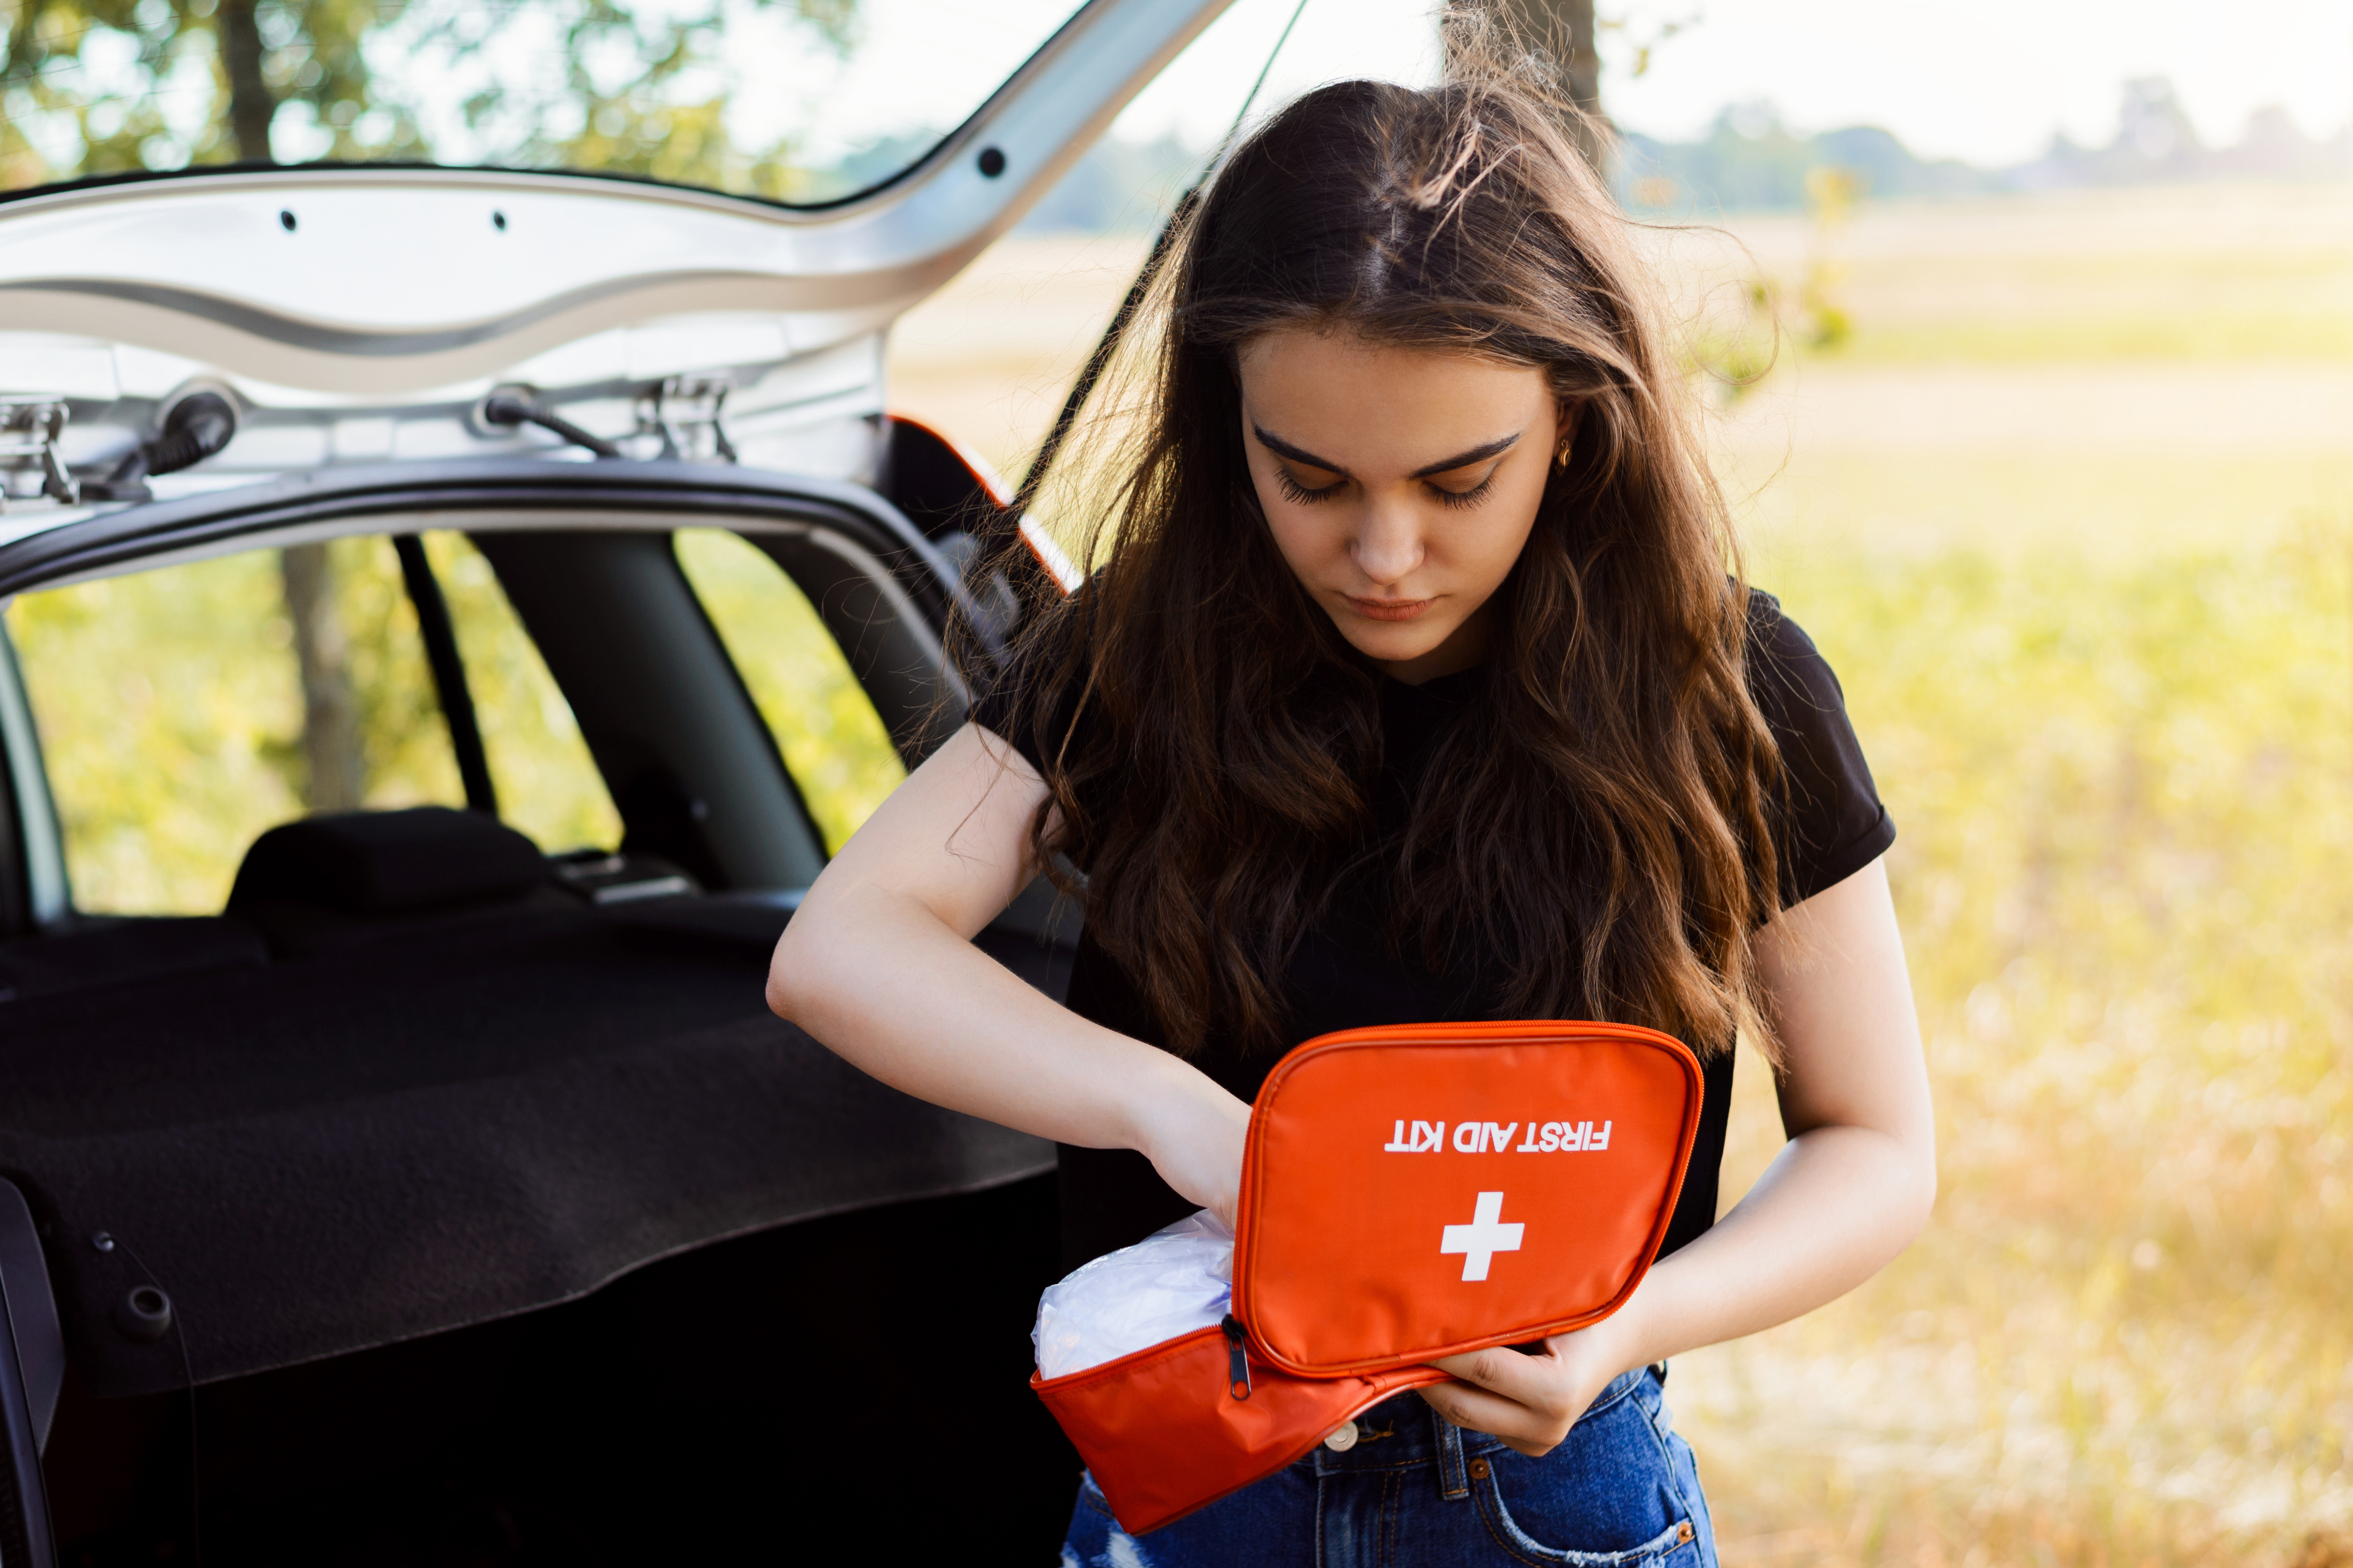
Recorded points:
1454,1482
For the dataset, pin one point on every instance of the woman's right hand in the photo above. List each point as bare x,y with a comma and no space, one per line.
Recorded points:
933,865
1194,1137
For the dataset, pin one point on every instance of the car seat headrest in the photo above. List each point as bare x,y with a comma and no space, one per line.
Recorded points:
389,862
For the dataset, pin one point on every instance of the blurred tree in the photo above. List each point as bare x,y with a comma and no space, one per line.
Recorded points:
1832,192
93,87
1566,32
1562,31
335,759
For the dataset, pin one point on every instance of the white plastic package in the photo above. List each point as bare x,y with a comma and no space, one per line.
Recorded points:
1178,1279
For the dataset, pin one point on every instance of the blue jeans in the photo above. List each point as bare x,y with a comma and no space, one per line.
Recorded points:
1621,1491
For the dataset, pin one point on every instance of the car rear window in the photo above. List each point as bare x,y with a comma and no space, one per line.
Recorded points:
548,783
177,725
834,743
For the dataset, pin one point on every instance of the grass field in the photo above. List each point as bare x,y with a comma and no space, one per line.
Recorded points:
2069,507
2070,511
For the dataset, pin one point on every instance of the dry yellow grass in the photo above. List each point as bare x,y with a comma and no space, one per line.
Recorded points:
2069,512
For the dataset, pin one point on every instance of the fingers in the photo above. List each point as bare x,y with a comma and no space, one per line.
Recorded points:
1528,1401
1534,1379
1528,1431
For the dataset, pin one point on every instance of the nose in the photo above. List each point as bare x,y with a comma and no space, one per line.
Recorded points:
1387,547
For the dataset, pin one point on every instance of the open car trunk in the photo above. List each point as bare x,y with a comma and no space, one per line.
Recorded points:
361,1129
437,1195
400,1085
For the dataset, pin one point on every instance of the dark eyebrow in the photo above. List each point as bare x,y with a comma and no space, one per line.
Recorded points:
1464,459
1281,448
1448,465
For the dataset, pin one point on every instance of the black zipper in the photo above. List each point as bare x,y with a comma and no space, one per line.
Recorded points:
1238,1382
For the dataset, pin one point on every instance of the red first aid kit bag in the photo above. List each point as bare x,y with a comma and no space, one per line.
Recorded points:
1409,1191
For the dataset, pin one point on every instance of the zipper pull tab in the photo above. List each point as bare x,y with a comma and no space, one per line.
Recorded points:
1238,1382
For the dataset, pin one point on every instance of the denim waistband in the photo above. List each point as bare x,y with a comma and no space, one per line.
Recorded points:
1405,1430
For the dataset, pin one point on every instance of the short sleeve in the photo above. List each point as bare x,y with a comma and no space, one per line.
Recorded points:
997,711
1830,823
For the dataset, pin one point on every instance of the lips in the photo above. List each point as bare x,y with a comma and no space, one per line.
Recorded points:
1389,609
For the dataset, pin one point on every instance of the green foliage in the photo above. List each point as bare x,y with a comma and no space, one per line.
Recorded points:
548,783
1736,350
93,87
1832,194
404,742
152,737
170,715
833,742
142,84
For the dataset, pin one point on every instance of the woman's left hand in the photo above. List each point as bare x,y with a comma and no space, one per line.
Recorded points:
1531,1401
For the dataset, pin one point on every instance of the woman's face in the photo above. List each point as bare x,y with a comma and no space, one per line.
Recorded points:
1399,485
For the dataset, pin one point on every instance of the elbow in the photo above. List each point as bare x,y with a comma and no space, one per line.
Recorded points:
780,996
1918,1187
1924,1205
787,998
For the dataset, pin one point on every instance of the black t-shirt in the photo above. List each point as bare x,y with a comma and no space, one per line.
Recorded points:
1345,974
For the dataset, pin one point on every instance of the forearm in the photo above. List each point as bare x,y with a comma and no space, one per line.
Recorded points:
1831,1211
1835,1207
1848,1192
882,981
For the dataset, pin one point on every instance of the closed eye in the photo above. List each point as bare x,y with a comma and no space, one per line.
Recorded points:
1465,498
1299,494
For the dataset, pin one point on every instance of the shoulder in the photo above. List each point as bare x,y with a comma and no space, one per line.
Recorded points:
1784,668
1028,698
1831,822
1792,684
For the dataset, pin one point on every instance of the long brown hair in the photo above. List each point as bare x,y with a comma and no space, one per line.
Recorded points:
1595,825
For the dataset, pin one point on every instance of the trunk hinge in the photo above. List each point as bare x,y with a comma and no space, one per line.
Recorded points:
30,424
684,412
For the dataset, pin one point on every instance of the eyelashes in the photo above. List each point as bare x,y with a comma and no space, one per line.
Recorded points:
1298,494
1471,497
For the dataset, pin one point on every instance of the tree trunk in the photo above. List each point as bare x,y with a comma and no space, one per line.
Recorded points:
336,763
1563,30
331,712
251,105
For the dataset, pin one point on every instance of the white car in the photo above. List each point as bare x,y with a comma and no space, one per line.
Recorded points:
431,1164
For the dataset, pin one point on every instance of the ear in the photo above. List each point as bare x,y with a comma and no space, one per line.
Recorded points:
1563,435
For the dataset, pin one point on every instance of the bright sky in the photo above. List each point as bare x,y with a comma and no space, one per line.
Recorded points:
1987,80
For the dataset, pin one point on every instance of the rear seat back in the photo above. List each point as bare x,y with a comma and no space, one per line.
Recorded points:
332,878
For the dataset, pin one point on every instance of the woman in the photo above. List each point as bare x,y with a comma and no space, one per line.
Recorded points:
1411,686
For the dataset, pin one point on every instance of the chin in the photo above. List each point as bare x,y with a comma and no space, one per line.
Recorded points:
1392,643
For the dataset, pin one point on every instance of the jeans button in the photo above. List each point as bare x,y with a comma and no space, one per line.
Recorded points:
1342,1437
1683,1532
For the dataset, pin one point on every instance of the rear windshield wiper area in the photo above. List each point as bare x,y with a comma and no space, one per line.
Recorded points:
509,409
195,428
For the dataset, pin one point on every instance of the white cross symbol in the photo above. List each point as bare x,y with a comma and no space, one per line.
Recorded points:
1484,1236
